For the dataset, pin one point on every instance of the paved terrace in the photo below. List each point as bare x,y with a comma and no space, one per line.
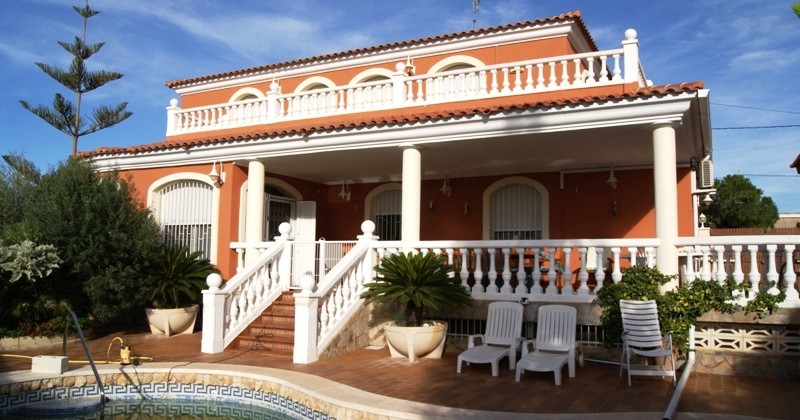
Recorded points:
598,388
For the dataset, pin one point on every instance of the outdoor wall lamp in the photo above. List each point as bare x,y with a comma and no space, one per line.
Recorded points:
446,190
410,69
612,181
217,178
344,192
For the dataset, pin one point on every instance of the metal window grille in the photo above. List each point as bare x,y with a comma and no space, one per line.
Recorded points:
279,210
386,212
184,212
516,213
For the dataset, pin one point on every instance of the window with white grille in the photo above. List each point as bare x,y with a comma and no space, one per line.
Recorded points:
516,213
184,212
386,213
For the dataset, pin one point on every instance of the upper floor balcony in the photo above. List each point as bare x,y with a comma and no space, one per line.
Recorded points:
405,89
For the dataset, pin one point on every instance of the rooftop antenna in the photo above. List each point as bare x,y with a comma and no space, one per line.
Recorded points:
475,5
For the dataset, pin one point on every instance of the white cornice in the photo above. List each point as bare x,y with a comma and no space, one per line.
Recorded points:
565,118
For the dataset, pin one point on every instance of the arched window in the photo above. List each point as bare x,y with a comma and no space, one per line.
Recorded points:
385,208
184,211
515,208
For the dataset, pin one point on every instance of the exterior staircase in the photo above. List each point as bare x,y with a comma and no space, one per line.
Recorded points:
273,331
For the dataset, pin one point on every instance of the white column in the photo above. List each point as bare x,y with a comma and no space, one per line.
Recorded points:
412,185
666,199
630,52
254,222
172,119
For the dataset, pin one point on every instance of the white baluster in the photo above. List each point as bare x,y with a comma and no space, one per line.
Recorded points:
536,273
566,271
578,77
617,73
540,76
721,275
506,83
324,317
552,289
528,77
590,76
492,287
754,276
689,275
603,69
705,269
464,268
478,273
507,272
772,271
564,73
600,272
616,275
521,275
583,273
738,274
552,79
790,277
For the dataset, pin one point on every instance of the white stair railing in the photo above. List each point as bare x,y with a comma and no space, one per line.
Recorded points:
228,310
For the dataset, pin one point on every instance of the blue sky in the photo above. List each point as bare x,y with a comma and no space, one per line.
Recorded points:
747,53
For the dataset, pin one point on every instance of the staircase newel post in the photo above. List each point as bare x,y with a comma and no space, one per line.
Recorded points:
305,321
285,261
213,316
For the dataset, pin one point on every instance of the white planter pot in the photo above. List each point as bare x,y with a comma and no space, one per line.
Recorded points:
412,342
172,321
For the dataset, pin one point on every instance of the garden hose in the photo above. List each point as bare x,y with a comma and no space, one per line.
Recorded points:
126,355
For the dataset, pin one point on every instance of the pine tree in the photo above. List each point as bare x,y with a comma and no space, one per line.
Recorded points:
64,115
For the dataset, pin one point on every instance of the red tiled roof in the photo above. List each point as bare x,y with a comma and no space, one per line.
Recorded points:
576,15
389,118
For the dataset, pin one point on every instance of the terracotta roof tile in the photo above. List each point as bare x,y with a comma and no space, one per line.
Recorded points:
389,118
576,15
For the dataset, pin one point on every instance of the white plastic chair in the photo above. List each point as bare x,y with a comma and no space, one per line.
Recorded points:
501,339
642,336
554,345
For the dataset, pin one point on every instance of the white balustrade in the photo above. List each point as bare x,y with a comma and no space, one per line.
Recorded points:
516,78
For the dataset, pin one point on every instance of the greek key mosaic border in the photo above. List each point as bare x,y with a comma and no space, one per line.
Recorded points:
773,341
174,391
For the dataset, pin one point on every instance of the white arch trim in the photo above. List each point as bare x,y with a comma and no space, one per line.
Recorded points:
245,92
380,189
513,180
152,202
312,81
453,60
368,73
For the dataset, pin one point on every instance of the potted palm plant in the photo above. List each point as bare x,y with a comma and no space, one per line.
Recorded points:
176,281
411,283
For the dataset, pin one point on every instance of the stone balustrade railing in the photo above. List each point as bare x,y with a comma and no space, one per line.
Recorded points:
570,271
229,309
574,71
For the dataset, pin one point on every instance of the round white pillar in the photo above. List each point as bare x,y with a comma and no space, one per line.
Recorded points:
666,199
254,219
412,185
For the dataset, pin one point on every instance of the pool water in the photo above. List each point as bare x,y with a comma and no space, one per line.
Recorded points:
149,409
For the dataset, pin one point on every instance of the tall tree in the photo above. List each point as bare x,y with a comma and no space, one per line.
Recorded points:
738,203
65,115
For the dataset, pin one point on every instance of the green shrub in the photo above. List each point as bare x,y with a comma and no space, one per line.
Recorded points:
679,308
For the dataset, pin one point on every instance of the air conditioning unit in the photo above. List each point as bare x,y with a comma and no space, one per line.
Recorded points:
705,174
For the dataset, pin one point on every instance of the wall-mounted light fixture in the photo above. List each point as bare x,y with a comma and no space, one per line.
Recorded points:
612,181
446,190
217,178
410,69
707,199
702,220
344,192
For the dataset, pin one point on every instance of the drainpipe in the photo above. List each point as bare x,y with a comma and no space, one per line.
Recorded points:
687,370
